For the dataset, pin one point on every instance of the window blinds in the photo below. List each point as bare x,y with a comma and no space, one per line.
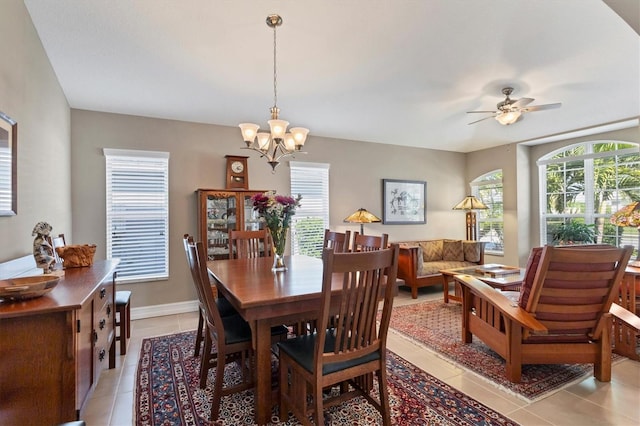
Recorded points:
138,213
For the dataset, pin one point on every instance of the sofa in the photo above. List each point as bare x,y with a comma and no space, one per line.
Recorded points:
420,262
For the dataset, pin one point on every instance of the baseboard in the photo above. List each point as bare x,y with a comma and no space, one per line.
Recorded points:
162,310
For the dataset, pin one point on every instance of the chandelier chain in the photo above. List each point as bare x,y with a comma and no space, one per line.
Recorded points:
275,71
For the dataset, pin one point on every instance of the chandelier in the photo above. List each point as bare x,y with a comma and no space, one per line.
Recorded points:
277,143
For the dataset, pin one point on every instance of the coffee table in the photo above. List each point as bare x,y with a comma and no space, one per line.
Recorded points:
497,276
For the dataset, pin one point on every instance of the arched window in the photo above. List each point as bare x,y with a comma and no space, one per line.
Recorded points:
582,185
488,188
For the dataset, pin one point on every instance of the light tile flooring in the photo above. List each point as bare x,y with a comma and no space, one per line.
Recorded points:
586,403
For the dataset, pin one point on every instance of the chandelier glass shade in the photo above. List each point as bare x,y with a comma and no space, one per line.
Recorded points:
278,143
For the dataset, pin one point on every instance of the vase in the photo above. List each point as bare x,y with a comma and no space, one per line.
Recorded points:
279,239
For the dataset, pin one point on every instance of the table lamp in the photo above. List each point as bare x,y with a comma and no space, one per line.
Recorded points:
471,203
362,216
629,216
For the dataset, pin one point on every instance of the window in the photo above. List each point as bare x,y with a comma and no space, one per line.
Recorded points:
311,180
138,213
585,184
488,188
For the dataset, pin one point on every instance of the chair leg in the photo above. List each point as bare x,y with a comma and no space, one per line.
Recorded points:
385,410
124,332
218,382
205,359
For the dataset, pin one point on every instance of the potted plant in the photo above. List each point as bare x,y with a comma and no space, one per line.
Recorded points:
574,232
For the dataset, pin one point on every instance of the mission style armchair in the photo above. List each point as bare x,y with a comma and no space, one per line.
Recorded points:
561,314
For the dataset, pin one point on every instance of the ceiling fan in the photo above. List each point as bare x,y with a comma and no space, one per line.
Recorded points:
510,110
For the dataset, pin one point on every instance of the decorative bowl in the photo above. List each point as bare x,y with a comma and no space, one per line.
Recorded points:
27,287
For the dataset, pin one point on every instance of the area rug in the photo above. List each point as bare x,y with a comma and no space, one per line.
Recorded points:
437,326
167,393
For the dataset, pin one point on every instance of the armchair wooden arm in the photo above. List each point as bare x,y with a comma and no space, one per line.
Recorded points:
628,317
480,303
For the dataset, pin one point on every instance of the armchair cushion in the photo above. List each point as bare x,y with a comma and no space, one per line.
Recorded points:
431,250
472,251
452,250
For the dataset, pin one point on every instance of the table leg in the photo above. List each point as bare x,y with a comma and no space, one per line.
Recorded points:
445,288
263,372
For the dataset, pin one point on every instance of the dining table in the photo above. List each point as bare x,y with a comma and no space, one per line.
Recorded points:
265,298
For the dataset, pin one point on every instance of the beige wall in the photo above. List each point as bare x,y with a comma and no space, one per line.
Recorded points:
31,95
197,161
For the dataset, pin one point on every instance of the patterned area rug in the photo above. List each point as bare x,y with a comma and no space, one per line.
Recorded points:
167,393
437,326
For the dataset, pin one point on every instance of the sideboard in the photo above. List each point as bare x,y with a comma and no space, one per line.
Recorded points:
53,348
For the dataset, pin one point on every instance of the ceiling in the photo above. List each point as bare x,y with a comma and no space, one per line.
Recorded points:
382,71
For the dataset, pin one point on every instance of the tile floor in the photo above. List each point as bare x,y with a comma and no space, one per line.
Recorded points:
586,403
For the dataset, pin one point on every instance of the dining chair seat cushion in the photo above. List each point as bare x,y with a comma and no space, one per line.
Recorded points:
301,349
236,329
225,308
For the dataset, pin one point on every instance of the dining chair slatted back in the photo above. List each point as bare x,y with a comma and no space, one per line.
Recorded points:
354,347
363,242
338,241
249,244
232,335
187,240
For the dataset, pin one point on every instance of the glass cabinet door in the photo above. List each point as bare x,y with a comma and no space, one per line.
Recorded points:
221,218
252,220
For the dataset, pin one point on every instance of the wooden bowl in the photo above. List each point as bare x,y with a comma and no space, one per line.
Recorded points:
27,287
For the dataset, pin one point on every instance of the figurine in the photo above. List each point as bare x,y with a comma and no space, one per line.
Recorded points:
42,250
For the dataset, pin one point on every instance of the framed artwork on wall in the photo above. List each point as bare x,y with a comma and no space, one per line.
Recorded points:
404,202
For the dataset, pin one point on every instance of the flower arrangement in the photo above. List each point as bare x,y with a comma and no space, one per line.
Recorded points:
276,211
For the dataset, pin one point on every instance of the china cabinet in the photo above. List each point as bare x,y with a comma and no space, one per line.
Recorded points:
223,210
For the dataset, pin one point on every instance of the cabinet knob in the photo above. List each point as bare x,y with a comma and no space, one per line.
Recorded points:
102,354
103,292
103,322
108,310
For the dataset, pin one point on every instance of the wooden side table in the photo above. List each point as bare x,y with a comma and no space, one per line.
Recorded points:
625,339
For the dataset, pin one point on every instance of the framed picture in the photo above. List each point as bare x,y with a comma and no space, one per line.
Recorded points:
8,166
404,202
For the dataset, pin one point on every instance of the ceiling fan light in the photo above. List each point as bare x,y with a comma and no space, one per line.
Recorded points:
509,117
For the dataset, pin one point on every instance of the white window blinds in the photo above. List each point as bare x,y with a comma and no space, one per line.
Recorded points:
138,213
311,180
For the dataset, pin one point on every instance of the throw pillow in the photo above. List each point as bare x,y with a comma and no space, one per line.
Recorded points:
529,274
452,250
431,250
471,251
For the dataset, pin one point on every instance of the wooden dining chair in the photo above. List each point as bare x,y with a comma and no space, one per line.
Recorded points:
232,334
353,347
363,242
339,241
224,307
562,312
249,244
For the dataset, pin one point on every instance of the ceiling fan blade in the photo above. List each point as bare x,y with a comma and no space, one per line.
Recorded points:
482,119
541,107
483,112
521,102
